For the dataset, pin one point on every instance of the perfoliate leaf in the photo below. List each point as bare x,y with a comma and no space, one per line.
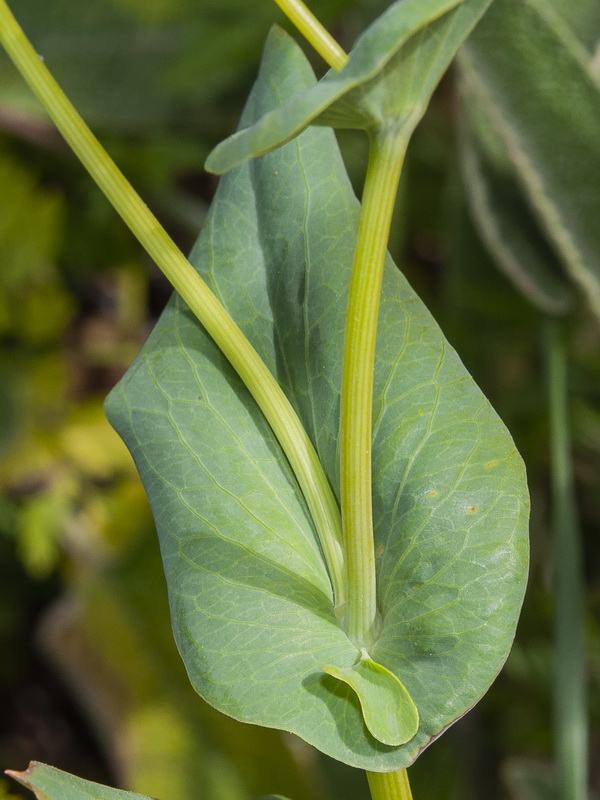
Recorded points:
392,71
48,783
534,80
251,600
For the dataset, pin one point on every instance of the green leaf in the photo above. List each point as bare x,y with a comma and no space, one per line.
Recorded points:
250,597
504,217
534,81
48,783
390,76
112,645
387,708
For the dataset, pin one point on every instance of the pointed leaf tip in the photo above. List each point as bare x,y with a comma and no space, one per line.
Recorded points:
21,776
49,783
282,56
388,709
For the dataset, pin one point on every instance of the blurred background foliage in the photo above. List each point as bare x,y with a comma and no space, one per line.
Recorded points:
89,677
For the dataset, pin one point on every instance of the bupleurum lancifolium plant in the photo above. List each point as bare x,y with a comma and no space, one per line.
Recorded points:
342,515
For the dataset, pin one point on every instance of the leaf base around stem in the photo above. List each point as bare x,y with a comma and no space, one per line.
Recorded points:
388,709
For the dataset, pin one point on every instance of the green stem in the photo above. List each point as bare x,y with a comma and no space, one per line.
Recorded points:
186,281
386,157
312,30
570,704
389,785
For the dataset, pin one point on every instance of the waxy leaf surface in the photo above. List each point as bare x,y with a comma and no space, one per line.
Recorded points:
49,783
112,644
535,80
392,71
250,596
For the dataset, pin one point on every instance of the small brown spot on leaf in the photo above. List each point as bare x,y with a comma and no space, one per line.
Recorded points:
491,464
472,510
432,493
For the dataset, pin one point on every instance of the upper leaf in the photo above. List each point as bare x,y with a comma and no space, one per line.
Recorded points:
534,82
250,596
49,783
390,76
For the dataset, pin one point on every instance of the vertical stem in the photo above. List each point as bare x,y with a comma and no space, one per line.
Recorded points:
269,396
570,715
389,785
386,156
312,30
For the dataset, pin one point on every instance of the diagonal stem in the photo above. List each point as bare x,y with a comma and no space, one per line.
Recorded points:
388,147
269,396
312,30
389,785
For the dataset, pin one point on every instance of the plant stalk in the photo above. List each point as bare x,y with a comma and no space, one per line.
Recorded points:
389,785
386,156
185,280
570,701
312,30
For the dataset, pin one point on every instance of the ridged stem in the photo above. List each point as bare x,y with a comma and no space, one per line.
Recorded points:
315,34
386,157
185,280
389,785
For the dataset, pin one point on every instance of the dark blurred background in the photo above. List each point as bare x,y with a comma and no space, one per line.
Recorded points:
89,677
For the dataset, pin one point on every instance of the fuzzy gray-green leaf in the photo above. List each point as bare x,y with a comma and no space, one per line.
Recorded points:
250,596
536,83
504,217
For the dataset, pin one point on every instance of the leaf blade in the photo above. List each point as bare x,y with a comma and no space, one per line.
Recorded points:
546,109
505,221
277,248
49,783
373,50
